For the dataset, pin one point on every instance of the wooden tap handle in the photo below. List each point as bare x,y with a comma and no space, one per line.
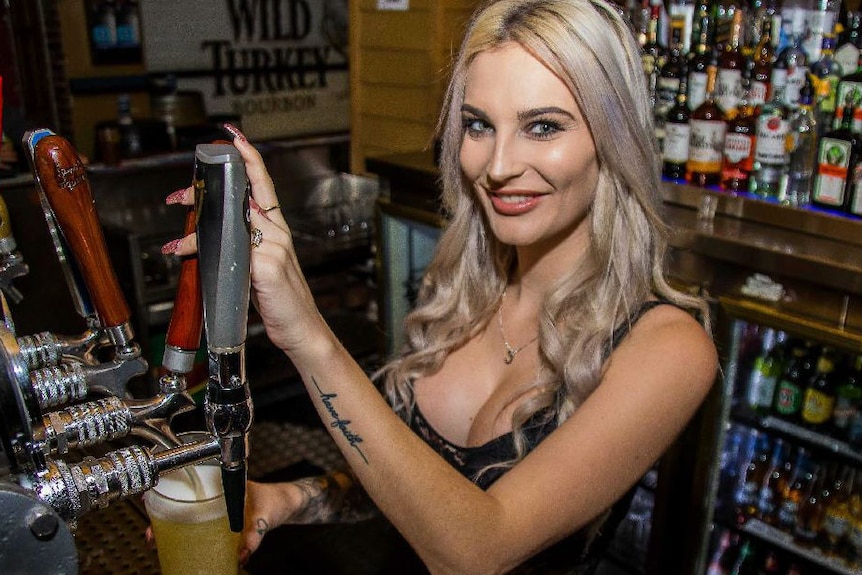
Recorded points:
184,330
64,181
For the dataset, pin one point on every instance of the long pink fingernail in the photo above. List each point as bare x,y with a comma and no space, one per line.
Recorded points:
171,247
234,132
176,197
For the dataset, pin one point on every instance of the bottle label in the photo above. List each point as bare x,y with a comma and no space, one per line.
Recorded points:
728,88
676,142
666,95
761,386
833,161
771,140
826,89
706,144
757,93
796,76
738,147
696,89
855,91
847,56
845,409
817,407
789,398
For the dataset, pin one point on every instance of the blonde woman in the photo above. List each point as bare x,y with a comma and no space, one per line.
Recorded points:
549,364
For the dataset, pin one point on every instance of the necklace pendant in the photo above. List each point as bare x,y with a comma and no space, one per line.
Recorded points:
510,355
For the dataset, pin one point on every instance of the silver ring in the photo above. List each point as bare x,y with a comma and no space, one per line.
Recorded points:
275,207
256,237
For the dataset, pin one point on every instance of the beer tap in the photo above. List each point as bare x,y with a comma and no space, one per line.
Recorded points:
11,261
71,214
47,349
224,255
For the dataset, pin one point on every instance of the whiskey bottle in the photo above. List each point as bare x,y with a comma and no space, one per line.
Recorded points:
677,134
761,72
739,144
699,61
731,62
706,147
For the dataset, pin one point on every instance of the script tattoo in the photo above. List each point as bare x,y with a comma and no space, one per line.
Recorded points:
342,424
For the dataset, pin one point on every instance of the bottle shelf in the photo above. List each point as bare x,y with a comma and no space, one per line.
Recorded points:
784,540
812,437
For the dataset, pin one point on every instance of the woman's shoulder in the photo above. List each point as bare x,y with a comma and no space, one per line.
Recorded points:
671,335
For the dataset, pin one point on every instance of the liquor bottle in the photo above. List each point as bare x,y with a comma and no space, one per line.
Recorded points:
838,159
847,51
795,60
731,62
811,510
788,397
738,446
850,86
723,15
677,134
771,158
826,73
739,144
854,428
762,62
751,478
128,25
653,53
668,80
837,516
699,61
804,478
765,372
818,399
708,127
821,21
848,400
778,473
802,141
794,19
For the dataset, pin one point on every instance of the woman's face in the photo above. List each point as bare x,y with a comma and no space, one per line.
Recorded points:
526,150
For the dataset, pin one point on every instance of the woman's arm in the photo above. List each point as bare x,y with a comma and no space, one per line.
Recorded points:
332,498
652,386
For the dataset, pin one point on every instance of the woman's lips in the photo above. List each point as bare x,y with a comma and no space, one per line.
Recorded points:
512,204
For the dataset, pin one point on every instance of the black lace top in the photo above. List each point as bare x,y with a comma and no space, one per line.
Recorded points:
577,554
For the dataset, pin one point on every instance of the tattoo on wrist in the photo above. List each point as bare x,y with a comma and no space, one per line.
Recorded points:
261,526
343,425
334,498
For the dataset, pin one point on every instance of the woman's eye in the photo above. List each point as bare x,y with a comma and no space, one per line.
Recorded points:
475,126
544,129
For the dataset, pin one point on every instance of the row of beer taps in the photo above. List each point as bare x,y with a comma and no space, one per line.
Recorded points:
60,393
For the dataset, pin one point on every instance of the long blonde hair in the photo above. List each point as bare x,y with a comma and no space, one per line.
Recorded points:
590,47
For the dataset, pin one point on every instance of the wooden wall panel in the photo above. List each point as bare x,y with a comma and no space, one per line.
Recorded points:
399,67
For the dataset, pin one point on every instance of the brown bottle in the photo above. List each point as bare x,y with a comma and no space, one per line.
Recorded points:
761,73
731,63
818,399
838,517
739,145
706,146
811,510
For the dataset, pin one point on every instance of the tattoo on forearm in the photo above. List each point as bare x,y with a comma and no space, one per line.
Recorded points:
328,500
342,424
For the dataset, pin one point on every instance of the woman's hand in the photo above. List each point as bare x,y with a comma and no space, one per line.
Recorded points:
267,506
279,290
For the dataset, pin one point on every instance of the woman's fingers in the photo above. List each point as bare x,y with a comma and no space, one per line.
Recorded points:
262,187
182,247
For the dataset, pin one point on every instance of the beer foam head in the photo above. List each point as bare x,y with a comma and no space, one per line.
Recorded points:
175,497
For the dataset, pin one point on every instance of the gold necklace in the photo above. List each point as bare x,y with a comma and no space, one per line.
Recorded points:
511,352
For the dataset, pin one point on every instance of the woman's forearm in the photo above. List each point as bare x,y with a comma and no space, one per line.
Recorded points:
333,498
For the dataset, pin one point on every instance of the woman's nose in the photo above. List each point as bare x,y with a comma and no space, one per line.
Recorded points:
506,162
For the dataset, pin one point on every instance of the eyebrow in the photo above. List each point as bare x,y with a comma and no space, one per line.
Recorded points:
524,115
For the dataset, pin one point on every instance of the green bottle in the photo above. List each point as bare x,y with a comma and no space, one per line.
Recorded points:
765,373
791,384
